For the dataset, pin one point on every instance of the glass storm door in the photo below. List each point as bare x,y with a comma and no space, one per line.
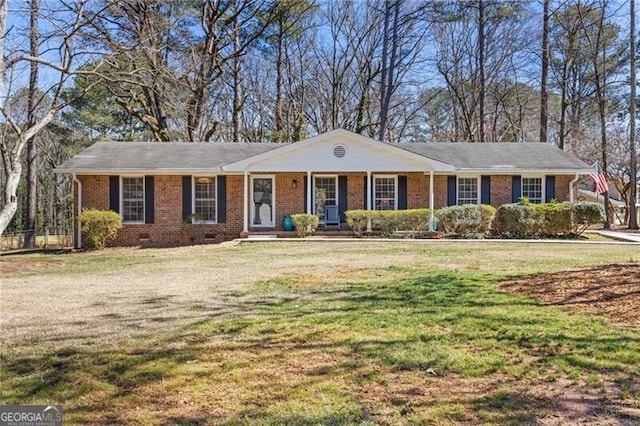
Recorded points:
263,196
325,194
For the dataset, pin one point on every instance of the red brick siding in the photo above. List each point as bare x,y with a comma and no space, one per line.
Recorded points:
500,190
168,228
562,188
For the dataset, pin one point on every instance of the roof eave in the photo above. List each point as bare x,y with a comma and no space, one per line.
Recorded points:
167,172
518,171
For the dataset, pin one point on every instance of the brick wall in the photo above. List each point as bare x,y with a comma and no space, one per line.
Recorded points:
168,228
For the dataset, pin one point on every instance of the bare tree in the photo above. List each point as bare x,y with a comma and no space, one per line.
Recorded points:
633,159
15,135
32,147
544,85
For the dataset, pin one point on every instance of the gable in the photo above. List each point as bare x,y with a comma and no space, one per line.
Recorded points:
338,150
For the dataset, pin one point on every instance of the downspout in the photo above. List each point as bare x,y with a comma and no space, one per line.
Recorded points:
79,210
573,181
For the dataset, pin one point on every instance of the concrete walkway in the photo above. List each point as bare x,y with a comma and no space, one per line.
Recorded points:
620,235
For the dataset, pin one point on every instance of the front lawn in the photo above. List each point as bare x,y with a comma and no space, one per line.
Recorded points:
318,333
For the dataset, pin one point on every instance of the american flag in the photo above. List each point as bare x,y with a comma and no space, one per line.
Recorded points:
599,179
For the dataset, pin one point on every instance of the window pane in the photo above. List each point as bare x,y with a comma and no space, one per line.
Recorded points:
385,193
133,199
467,191
532,189
205,199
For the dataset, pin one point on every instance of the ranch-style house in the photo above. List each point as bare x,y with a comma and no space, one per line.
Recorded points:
222,191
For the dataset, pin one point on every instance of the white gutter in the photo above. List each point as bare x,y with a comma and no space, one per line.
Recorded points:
573,181
79,234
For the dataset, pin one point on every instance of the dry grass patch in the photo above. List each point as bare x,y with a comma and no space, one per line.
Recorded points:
314,333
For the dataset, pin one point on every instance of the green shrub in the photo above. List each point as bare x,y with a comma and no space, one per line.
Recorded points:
100,226
518,220
556,218
305,223
357,220
388,222
468,220
586,214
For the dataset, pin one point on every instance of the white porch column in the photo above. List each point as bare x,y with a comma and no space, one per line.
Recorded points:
308,189
245,199
369,200
431,198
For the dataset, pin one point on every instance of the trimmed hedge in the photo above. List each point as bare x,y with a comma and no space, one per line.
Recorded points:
305,223
525,220
99,226
467,221
389,222
586,214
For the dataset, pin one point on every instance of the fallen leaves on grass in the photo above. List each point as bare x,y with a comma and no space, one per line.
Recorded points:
611,290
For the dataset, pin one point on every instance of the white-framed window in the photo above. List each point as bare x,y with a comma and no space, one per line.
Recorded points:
132,199
385,192
532,188
468,190
325,192
204,199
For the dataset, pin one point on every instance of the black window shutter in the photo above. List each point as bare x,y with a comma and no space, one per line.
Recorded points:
342,197
364,191
516,189
550,188
485,197
402,192
221,198
114,193
306,182
452,187
186,197
149,202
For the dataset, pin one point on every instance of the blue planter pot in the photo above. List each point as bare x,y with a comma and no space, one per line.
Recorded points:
287,223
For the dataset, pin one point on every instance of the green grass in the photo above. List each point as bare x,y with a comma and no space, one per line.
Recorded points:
424,337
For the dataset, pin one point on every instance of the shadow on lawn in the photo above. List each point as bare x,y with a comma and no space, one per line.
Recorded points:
364,336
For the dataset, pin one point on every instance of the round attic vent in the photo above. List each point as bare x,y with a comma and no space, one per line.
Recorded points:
339,151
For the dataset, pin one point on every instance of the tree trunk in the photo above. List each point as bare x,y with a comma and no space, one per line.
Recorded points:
383,85
279,132
237,88
633,216
12,179
390,73
483,77
32,147
544,87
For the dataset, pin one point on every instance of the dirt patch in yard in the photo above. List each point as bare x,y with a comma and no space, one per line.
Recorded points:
612,291
17,266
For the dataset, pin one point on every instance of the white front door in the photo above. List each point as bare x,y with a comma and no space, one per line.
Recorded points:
263,201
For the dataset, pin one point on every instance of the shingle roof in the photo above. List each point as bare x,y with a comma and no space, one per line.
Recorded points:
529,156
178,157
114,157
